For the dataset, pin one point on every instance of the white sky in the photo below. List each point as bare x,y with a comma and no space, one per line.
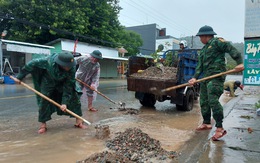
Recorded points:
184,17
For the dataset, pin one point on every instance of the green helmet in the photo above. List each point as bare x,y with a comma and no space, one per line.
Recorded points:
96,54
65,59
205,30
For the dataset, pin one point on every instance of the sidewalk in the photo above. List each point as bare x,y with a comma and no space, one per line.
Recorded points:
241,144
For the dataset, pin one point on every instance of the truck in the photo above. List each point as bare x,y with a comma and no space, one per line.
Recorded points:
185,62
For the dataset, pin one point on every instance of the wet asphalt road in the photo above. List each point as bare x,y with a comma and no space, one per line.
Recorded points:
19,141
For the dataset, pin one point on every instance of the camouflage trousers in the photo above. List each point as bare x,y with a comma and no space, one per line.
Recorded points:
210,91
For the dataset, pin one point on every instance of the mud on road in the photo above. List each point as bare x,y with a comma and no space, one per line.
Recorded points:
19,141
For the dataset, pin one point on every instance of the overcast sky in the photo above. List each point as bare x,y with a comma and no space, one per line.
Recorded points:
184,17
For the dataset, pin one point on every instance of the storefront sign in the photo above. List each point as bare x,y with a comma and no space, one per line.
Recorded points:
252,62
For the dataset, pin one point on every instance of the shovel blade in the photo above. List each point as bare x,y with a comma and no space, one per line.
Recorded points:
121,105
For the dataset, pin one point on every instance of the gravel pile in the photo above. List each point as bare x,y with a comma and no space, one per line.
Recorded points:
157,73
131,146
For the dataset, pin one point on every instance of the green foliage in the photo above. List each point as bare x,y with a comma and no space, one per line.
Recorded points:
169,58
42,21
155,55
257,105
160,47
131,41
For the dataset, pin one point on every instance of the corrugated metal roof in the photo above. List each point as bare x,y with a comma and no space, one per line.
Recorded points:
28,44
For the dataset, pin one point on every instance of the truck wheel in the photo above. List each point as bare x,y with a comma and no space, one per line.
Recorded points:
188,101
148,100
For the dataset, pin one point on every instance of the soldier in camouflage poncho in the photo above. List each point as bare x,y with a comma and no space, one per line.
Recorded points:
54,77
212,61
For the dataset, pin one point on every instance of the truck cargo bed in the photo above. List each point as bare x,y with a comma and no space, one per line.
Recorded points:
144,85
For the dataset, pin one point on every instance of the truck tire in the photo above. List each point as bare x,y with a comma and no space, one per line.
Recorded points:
188,102
148,100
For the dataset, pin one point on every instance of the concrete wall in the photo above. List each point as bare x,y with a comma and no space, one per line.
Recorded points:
148,34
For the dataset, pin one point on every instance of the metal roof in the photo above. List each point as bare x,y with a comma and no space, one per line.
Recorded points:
28,44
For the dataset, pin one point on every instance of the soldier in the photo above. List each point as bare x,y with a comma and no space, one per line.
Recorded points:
54,77
212,61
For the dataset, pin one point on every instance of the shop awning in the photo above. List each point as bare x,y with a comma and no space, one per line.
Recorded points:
23,47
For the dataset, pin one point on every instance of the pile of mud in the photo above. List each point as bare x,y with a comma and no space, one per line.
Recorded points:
130,146
130,111
157,73
127,111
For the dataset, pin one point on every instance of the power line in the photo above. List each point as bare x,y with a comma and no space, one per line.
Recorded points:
165,21
164,16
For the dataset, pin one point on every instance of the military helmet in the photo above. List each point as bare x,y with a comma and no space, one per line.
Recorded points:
96,54
65,59
206,30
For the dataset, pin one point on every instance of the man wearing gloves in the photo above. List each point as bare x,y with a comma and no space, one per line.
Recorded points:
89,73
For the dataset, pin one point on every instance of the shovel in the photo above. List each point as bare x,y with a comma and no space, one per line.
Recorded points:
121,104
50,100
187,84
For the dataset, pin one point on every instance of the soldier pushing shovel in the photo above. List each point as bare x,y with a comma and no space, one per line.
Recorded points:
54,82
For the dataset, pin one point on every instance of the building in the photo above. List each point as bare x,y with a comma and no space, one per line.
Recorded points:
153,36
109,65
14,54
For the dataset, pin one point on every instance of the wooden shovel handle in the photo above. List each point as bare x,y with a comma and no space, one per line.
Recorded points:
199,80
48,99
85,84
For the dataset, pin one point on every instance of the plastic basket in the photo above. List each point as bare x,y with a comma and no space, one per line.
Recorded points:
8,80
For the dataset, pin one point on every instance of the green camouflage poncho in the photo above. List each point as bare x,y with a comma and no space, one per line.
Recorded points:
55,83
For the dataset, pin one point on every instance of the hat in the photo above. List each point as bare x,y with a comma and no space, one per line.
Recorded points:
206,30
96,54
65,59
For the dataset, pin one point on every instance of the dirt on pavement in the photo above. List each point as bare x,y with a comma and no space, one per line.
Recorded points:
132,145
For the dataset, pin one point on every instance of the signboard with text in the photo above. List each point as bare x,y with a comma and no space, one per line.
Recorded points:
252,62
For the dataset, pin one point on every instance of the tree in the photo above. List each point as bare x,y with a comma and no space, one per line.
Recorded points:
41,21
131,41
